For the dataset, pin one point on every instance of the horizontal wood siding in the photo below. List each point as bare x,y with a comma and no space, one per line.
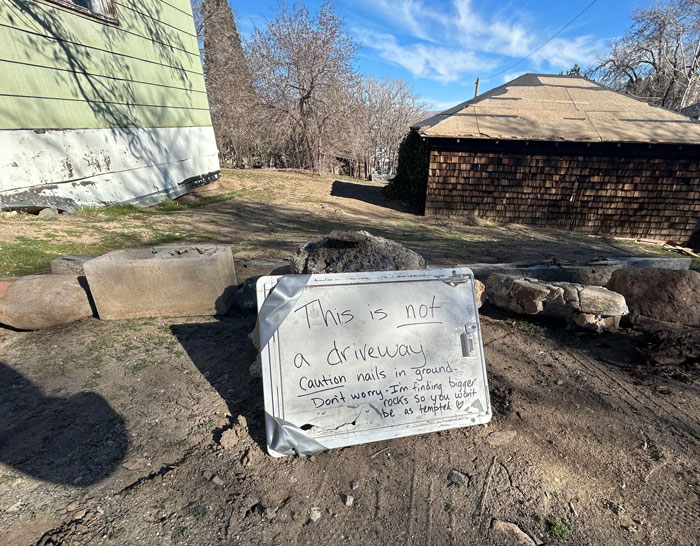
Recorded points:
621,195
65,70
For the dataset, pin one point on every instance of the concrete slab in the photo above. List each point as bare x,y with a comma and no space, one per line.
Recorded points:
70,264
595,273
162,282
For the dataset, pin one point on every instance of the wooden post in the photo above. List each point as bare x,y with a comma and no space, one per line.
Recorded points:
476,92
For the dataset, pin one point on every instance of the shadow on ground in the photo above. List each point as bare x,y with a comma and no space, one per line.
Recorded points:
78,440
368,194
223,353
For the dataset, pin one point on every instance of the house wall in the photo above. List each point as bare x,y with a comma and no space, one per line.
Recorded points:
93,112
627,191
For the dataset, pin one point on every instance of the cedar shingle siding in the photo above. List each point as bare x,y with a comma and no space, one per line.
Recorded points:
624,194
567,153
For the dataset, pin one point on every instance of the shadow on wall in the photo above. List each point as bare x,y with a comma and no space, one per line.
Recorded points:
78,440
110,94
223,353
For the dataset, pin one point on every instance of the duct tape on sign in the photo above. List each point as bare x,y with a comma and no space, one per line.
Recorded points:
352,358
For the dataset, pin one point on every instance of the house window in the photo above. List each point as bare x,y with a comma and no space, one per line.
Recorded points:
101,9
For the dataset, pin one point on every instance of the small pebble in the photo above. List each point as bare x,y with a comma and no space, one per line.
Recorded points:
348,500
354,485
315,514
217,480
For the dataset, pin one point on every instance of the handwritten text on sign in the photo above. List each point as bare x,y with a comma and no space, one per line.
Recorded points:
366,357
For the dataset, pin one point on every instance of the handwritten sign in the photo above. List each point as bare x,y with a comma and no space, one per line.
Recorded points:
363,357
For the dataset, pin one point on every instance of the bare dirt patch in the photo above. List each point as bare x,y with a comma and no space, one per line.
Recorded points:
152,432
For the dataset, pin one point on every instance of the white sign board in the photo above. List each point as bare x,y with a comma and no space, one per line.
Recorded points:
363,357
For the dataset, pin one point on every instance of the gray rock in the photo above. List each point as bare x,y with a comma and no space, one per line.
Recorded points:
455,477
661,295
245,296
70,264
590,307
48,214
44,301
354,251
354,485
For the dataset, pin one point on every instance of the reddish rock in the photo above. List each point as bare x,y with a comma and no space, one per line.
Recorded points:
43,301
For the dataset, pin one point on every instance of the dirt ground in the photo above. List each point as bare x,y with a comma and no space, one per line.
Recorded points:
151,432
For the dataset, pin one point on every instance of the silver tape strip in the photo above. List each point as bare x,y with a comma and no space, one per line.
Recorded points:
278,305
288,439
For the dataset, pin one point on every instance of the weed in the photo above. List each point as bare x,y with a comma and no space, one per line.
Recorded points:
450,508
178,444
169,205
530,328
557,528
139,366
208,425
5,479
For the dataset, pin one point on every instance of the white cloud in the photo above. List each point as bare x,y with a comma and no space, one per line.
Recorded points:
433,105
423,60
447,44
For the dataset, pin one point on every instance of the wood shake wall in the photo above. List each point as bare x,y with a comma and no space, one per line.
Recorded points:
583,189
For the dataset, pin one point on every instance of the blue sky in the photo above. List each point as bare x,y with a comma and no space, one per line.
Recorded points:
441,46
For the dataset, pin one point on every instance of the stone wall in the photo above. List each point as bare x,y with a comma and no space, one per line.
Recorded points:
627,191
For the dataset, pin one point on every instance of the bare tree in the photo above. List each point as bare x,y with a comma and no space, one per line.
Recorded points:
391,107
232,99
658,60
302,67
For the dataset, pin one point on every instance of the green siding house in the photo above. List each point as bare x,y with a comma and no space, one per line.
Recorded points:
101,102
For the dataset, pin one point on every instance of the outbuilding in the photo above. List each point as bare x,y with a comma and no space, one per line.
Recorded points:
566,152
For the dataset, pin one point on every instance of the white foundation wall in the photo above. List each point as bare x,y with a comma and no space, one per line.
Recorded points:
95,167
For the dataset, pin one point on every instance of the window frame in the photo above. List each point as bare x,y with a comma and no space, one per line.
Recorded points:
110,17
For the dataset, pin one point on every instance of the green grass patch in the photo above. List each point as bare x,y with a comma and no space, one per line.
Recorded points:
113,210
30,256
557,528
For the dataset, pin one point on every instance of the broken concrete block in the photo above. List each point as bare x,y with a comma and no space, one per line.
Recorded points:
162,282
354,251
70,264
589,307
660,295
44,301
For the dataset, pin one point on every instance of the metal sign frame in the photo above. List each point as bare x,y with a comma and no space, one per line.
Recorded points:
455,340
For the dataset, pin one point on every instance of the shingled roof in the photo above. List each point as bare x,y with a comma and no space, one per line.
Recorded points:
560,108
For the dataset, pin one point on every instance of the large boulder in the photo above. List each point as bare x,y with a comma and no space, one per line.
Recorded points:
44,301
590,307
354,251
659,295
